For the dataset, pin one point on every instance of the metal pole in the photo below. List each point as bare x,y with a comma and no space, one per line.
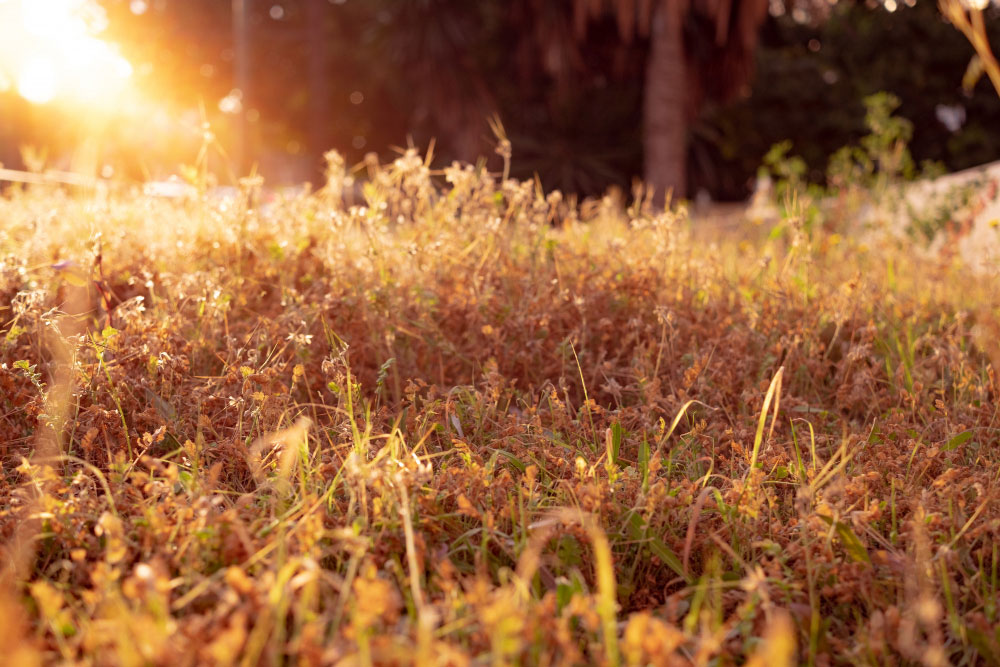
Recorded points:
241,68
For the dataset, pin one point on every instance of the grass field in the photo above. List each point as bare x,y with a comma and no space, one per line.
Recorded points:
470,423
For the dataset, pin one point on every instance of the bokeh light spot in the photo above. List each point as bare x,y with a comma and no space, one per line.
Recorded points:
232,103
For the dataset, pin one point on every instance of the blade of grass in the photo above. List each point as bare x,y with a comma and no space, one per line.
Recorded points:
773,393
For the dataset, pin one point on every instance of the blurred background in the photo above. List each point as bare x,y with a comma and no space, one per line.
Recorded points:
591,94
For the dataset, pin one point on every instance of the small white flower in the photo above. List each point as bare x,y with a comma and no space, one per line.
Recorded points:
300,338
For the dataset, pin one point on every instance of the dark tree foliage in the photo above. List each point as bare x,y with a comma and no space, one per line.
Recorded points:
370,75
814,97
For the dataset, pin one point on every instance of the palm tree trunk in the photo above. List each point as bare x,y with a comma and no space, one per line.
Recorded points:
665,104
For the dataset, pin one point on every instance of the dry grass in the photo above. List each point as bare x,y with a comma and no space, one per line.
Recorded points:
461,426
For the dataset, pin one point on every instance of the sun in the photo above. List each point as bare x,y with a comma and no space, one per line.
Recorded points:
36,81
50,50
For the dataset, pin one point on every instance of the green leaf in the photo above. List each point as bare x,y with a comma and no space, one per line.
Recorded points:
855,549
566,589
644,462
569,551
617,435
513,459
14,332
383,372
639,531
957,441
984,644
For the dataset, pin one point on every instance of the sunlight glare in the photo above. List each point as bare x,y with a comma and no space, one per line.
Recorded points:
48,47
36,81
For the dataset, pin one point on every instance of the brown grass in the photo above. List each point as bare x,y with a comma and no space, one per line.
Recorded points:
460,425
